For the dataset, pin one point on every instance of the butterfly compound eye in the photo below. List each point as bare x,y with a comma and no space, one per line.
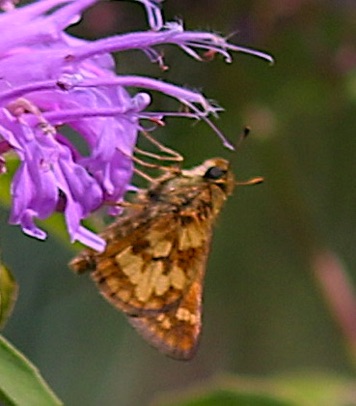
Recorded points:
214,173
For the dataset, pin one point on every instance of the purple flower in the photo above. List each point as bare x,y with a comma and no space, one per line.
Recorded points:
49,79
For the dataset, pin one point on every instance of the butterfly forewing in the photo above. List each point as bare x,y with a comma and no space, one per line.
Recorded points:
154,263
148,274
176,332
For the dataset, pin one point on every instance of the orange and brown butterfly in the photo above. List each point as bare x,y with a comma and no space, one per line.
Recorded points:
155,259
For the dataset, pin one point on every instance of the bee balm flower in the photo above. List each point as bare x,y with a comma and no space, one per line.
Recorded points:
49,79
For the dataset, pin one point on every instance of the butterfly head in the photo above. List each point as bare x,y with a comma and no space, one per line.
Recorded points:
213,171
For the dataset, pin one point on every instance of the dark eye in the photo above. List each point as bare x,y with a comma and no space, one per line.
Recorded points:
214,173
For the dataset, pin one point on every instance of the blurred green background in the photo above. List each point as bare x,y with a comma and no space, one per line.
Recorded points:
277,292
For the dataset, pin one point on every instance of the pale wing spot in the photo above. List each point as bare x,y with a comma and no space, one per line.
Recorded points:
162,285
166,323
160,317
125,257
148,280
113,284
184,239
197,235
193,319
161,248
130,264
184,314
124,295
142,290
191,236
135,277
177,277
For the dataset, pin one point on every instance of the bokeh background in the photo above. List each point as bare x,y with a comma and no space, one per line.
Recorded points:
282,272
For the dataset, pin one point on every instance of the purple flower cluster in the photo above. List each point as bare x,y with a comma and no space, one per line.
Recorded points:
49,79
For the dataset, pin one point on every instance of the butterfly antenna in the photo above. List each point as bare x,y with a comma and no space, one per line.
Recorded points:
254,181
240,139
245,133
251,182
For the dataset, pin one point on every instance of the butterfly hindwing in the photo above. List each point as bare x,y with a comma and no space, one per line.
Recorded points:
175,332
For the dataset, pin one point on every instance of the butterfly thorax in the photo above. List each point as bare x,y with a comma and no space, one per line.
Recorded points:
201,189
